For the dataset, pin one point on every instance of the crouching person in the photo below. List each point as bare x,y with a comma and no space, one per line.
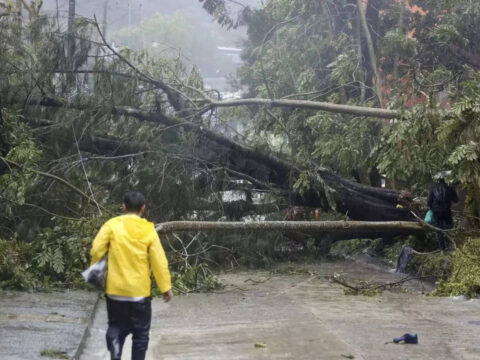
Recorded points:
130,242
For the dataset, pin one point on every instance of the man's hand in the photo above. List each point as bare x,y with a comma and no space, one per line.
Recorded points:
167,296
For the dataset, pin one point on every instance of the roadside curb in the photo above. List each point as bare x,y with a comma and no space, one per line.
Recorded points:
86,333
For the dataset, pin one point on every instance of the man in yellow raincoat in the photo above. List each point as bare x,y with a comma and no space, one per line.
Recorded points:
131,242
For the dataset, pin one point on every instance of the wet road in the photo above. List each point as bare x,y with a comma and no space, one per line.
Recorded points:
53,322
305,316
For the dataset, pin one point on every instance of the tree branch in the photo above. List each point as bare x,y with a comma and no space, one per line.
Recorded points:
84,171
173,94
51,176
267,36
306,104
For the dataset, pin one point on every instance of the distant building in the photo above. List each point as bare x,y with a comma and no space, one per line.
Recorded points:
232,53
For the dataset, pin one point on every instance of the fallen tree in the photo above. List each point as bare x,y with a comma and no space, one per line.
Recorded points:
327,189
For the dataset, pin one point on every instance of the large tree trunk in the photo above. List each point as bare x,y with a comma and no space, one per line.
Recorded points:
360,228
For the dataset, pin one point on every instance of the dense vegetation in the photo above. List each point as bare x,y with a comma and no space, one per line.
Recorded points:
82,122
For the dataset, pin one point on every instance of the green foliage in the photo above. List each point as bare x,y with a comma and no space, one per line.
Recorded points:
411,151
426,141
465,278
439,266
16,140
448,33
218,9
303,183
344,145
465,160
194,278
15,265
461,131
396,41
328,65
312,51
55,258
342,67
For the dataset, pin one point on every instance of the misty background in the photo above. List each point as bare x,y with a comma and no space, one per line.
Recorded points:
177,28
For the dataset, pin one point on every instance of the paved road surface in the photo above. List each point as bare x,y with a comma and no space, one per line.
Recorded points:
304,317
32,322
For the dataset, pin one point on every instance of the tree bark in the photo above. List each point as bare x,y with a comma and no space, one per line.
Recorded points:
307,226
358,37
371,50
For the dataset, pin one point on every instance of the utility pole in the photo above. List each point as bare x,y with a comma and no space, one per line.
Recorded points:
70,43
129,22
141,28
18,19
58,16
104,21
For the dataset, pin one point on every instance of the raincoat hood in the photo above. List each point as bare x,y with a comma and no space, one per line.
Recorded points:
136,227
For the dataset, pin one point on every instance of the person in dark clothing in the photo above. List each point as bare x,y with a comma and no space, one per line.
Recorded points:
440,202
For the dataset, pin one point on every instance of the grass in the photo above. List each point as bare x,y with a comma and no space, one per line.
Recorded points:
54,354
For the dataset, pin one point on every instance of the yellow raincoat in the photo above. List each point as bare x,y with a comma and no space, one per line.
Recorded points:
130,241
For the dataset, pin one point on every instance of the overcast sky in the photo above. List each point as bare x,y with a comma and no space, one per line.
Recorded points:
208,38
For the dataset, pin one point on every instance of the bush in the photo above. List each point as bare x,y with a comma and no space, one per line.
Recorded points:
56,257
15,266
465,279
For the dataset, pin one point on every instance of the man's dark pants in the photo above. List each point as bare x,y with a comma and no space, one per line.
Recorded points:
443,220
128,317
